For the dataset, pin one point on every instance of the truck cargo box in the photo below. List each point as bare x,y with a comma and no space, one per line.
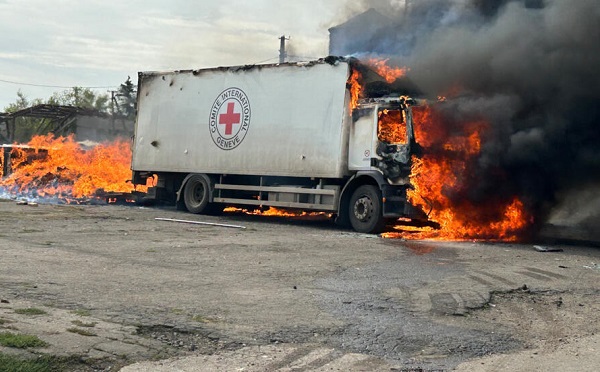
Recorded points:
277,120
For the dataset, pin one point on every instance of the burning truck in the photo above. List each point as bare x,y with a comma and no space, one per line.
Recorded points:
292,136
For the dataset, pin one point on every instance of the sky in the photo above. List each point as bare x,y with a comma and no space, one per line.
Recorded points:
99,43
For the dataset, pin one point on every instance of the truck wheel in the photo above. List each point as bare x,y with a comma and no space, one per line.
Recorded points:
366,210
196,193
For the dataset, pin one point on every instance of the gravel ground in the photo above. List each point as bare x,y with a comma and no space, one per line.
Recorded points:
285,293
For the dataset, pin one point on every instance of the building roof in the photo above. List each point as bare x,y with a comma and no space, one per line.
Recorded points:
57,118
370,17
54,112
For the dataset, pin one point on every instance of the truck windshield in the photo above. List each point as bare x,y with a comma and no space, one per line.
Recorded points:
391,127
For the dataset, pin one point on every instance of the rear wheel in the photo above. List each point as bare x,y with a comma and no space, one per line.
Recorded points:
366,210
196,194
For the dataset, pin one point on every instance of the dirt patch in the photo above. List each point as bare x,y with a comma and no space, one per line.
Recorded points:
543,318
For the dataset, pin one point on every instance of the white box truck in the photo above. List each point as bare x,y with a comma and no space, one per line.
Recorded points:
284,135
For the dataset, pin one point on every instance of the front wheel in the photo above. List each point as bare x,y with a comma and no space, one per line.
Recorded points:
366,210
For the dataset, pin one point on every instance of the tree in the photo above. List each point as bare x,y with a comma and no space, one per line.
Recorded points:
125,99
80,97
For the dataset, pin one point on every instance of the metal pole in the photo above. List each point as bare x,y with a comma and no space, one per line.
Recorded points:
200,223
282,53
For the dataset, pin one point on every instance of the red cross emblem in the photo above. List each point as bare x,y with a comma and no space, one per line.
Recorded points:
229,118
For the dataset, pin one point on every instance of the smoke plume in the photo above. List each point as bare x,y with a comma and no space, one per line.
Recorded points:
530,68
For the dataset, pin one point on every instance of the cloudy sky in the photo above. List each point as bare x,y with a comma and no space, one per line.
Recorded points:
98,43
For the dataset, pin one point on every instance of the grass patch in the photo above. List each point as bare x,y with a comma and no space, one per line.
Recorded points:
30,311
82,332
3,321
79,323
82,312
42,363
20,341
201,319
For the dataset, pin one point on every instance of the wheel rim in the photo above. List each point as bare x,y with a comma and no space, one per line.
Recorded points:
197,194
363,208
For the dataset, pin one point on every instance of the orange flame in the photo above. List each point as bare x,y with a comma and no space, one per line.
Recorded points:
390,74
388,129
442,172
355,88
59,167
272,211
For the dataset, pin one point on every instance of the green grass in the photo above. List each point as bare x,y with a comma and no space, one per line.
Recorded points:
30,311
79,323
82,312
20,341
201,319
43,363
82,332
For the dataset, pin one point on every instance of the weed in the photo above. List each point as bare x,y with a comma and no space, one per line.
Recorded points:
82,312
30,311
20,341
42,363
79,323
80,331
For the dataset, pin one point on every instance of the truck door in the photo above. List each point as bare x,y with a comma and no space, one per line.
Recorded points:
362,142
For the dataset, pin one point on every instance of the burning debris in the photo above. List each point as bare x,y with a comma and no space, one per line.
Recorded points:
62,171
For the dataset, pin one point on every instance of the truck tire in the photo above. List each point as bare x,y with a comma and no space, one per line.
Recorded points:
196,194
366,210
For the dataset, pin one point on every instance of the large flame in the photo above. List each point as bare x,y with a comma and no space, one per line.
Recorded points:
441,176
61,168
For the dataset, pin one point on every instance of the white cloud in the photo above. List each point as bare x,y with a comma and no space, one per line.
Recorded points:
101,42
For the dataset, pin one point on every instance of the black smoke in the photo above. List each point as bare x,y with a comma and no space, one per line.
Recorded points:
531,68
